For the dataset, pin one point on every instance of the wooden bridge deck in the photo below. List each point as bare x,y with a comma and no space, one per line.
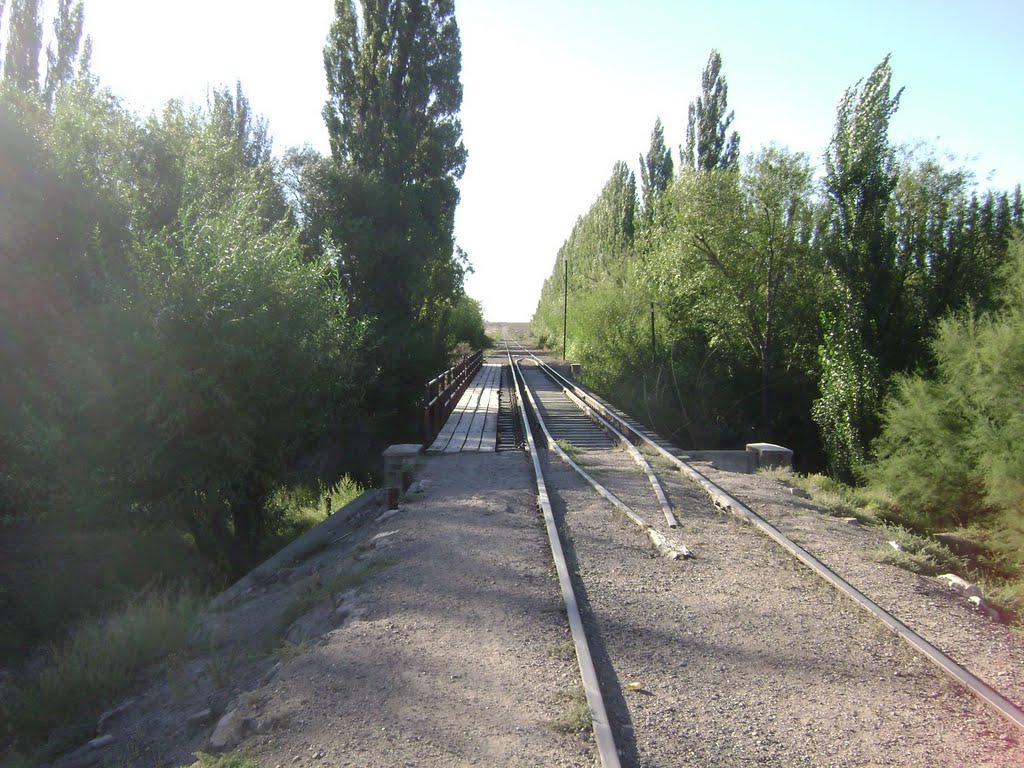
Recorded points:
473,425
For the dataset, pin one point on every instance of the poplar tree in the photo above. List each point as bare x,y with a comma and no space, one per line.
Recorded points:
860,178
866,333
655,171
67,36
24,42
387,199
709,145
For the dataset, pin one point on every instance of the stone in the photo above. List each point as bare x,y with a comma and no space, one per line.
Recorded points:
851,521
396,474
386,516
980,605
112,714
199,718
230,731
271,674
100,741
960,585
384,539
800,493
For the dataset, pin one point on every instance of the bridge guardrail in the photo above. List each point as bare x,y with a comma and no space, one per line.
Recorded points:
442,394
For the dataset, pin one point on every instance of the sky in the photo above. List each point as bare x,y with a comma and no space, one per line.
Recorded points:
557,91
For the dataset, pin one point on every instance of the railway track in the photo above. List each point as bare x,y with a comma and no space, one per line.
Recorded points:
739,591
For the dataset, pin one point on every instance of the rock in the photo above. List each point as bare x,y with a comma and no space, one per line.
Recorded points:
100,741
271,674
384,539
800,493
851,521
199,718
112,714
980,605
960,585
386,516
895,545
230,731
312,624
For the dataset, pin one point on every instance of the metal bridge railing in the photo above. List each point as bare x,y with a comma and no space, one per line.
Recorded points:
442,394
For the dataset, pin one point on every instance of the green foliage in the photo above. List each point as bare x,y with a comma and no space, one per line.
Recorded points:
466,324
849,397
58,702
24,43
655,172
291,511
67,34
709,146
918,554
950,449
229,760
382,208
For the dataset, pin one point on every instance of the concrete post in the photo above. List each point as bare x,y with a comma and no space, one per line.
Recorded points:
396,458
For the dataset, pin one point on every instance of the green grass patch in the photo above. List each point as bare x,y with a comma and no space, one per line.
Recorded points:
55,707
294,510
352,575
916,553
576,716
564,650
229,760
835,498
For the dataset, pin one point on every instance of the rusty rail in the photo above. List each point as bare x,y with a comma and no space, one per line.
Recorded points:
442,394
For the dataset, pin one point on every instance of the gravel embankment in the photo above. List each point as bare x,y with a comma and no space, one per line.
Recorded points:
742,657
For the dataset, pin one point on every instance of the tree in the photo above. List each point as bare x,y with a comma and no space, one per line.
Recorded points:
742,258
708,142
383,208
395,92
67,34
655,171
860,177
24,42
867,329
950,452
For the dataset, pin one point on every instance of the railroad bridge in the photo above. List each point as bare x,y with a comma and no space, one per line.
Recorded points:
559,587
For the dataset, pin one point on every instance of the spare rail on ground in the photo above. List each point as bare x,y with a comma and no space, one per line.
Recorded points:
443,392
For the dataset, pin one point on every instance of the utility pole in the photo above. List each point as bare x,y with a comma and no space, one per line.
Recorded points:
565,308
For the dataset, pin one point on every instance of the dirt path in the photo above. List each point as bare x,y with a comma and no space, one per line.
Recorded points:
456,660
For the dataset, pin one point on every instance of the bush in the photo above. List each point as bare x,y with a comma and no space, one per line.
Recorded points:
58,703
950,451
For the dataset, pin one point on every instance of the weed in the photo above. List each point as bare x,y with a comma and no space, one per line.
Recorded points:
570,449
229,760
576,718
294,510
287,651
222,667
919,554
833,497
342,581
563,649
57,703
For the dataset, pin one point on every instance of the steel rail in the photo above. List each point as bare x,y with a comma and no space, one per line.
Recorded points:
722,499
603,735
638,458
658,540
